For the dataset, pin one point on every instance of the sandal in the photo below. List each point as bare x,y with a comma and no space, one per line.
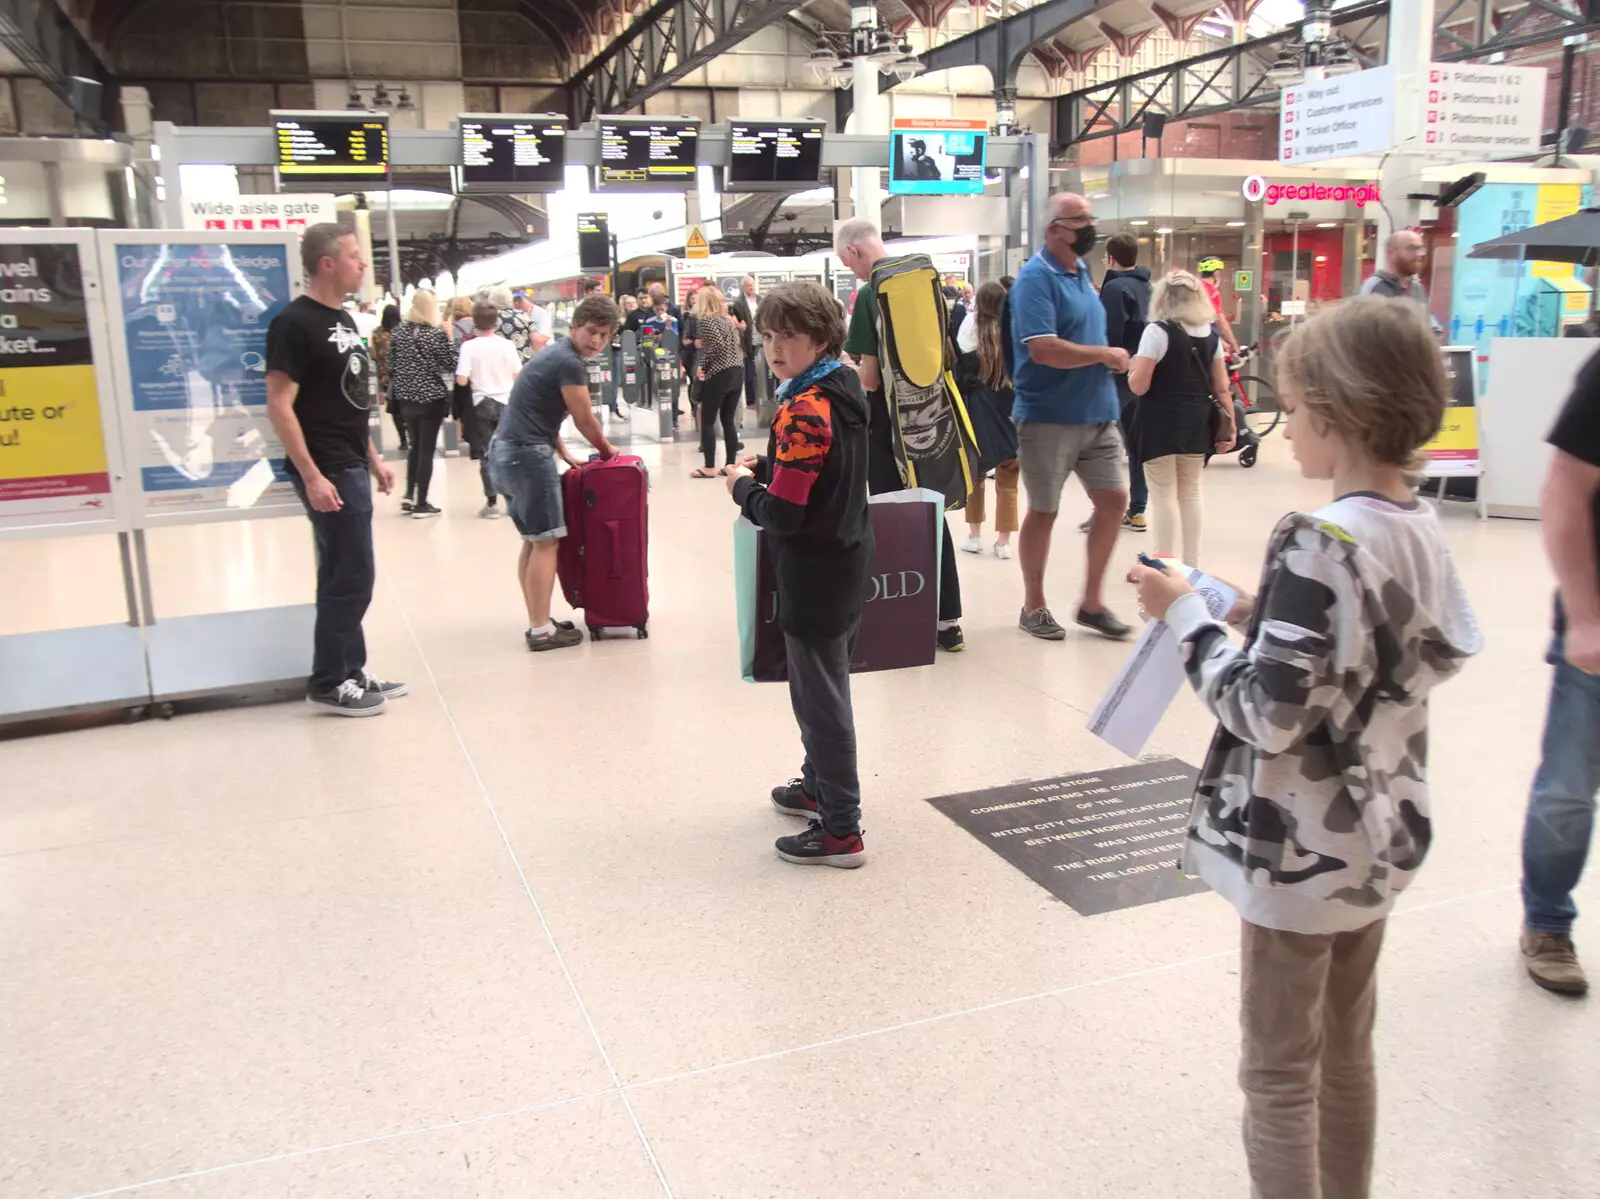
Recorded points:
703,473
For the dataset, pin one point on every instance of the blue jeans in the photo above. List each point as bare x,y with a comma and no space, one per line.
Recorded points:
346,570
1560,821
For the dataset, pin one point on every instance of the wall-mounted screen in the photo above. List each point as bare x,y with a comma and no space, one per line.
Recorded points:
647,153
594,243
932,156
323,150
774,155
522,153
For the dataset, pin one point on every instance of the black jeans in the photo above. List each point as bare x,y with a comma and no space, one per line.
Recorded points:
399,418
345,573
949,581
750,396
719,398
819,691
1138,491
486,415
424,437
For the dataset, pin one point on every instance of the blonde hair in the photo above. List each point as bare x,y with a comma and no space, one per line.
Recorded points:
709,301
424,308
460,306
1180,298
1369,369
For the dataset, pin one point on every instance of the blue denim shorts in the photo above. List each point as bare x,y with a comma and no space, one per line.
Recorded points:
526,475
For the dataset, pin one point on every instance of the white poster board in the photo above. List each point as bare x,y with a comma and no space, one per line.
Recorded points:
60,445
1337,118
190,312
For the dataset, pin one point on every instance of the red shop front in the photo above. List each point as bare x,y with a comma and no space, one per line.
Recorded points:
1319,270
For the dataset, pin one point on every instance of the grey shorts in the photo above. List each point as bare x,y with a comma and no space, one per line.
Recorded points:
526,475
1048,453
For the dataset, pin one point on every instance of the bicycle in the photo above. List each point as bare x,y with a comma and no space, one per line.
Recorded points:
1261,417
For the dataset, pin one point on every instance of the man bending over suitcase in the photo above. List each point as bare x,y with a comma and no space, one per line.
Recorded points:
522,457
810,495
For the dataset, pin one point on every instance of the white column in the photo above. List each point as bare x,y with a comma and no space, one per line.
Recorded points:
1410,51
864,181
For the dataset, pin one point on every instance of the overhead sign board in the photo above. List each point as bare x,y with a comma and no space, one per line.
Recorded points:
500,153
594,243
1337,118
1472,111
349,150
648,154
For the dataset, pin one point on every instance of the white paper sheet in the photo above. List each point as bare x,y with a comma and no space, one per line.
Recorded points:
1151,677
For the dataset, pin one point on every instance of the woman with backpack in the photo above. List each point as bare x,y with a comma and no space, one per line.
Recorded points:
422,367
981,376
1185,415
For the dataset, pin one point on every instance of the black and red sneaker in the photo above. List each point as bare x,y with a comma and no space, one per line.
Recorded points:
818,847
791,799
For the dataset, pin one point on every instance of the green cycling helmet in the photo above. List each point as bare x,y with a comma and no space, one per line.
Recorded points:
1210,266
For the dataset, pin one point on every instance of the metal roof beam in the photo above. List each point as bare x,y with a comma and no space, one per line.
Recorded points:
46,41
672,39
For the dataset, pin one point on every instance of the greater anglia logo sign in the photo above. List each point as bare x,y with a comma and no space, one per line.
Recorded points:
1257,189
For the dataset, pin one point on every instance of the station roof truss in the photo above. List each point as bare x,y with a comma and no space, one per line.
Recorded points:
1235,77
668,41
49,46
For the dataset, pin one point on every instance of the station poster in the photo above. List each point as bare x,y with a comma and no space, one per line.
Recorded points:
194,322
53,463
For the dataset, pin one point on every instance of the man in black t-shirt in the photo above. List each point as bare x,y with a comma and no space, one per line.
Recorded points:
1561,809
320,392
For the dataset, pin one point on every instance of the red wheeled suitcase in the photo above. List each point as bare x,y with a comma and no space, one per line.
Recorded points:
604,560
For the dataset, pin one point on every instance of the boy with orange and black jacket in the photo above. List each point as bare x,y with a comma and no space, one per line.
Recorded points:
810,495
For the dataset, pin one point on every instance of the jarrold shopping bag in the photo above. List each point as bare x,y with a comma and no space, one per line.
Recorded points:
901,617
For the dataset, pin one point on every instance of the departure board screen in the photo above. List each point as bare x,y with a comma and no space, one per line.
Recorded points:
648,154
774,155
524,153
331,148
594,243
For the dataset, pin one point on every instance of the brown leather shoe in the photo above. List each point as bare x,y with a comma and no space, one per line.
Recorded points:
1553,962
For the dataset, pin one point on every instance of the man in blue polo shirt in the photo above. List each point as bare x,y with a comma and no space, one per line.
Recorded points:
1066,412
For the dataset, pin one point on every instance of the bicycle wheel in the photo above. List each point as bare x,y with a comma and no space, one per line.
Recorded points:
1264,415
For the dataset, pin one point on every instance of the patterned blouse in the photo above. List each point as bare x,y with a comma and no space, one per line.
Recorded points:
517,328
420,358
719,345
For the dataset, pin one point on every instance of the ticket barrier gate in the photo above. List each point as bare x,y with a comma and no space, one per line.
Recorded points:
661,381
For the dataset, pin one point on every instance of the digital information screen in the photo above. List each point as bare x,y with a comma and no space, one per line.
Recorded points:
525,153
937,157
774,155
594,243
648,154
321,148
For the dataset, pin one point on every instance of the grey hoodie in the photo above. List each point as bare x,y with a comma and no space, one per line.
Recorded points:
1311,812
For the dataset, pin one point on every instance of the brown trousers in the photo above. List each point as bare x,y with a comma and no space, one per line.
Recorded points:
1005,486
1307,1005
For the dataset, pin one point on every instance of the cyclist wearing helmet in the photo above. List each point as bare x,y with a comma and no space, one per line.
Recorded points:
1208,271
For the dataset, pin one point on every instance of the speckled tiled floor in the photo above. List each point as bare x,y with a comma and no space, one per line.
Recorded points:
525,934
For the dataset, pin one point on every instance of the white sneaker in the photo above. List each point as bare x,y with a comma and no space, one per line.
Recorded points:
1002,549
490,512
972,545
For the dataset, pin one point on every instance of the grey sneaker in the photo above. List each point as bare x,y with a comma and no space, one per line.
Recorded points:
560,639
384,687
1041,624
1105,623
1552,962
348,699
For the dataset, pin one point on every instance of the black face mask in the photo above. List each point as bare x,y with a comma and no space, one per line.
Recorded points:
1083,240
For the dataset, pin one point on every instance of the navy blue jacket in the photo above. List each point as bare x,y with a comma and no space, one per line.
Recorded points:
1126,296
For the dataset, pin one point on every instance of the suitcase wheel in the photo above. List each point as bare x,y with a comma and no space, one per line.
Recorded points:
594,634
643,633
1247,456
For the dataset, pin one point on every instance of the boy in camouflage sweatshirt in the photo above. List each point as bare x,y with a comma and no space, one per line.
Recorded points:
1311,813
